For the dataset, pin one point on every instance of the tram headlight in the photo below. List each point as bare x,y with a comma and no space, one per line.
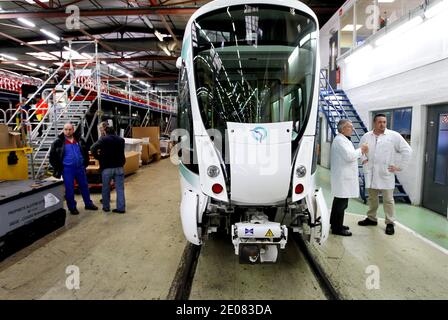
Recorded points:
300,171
213,171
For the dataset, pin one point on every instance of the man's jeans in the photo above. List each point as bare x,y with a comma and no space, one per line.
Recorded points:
117,174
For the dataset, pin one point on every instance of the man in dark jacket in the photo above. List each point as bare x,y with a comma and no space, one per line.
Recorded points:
69,157
109,150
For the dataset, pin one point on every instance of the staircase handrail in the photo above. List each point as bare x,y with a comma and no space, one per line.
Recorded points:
39,89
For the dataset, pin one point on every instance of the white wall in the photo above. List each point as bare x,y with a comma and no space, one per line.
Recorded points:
410,70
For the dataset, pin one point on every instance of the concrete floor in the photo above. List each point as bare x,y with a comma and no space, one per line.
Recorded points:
219,276
130,256
136,255
426,223
407,267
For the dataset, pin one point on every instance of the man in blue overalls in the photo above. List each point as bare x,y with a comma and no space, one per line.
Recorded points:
69,157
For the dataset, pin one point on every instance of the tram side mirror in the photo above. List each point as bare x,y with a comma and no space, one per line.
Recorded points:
179,63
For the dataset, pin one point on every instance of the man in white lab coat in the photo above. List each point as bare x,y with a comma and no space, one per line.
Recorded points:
344,175
388,153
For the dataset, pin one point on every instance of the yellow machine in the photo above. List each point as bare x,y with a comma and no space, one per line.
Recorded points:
14,163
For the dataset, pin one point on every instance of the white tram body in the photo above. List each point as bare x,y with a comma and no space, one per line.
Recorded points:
248,105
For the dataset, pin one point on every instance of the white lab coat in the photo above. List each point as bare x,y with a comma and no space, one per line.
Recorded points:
344,168
387,149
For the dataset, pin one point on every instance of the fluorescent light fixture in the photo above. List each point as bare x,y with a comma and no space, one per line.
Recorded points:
386,1
43,68
31,68
42,42
129,75
33,2
400,30
434,10
42,55
49,34
349,27
6,56
103,62
88,56
158,35
363,52
120,71
166,51
26,22
32,64
113,67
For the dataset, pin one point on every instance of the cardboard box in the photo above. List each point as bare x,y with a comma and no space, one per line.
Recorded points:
144,132
149,153
132,162
8,139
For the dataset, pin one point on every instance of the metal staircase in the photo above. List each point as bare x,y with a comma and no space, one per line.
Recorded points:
335,105
66,103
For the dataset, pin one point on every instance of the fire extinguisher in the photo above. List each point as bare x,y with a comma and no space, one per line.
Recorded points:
338,75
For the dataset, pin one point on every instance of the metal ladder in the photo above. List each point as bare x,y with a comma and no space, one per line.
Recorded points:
336,105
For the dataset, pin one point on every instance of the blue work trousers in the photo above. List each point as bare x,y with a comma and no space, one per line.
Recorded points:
70,174
117,174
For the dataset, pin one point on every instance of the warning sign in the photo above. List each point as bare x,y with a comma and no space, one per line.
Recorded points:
269,234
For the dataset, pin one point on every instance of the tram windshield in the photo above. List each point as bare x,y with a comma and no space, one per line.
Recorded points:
254,64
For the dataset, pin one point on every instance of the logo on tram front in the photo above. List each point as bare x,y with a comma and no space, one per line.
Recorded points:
259,133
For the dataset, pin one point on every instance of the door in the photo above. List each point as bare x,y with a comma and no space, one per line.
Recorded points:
333,56
435,188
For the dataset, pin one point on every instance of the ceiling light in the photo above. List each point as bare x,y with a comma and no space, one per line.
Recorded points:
88,56
158,35
49,34
103,62
32,64
27,67
33,2
8,56
349,27
166,51
386,1
71,50
42,42
128,75
26,22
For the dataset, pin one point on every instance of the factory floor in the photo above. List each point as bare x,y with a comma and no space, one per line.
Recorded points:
136,255
129,256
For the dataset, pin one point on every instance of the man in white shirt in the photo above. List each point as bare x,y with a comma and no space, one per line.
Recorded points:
388,153
344,175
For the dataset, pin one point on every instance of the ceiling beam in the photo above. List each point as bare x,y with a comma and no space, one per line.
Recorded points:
49,13
107,60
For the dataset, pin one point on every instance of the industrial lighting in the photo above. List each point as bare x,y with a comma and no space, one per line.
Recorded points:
33,1
401,29
103,62
70,50
158,35
129,75
49,34
43,68
26,22
113,67
349,27
6,56
32,64
88,56
386,1
31,68
165,49
432,11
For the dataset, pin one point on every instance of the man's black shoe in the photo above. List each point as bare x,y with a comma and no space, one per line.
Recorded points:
345,228
118,211
106,210
367,222
390,230
342,232
73,211
91,207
